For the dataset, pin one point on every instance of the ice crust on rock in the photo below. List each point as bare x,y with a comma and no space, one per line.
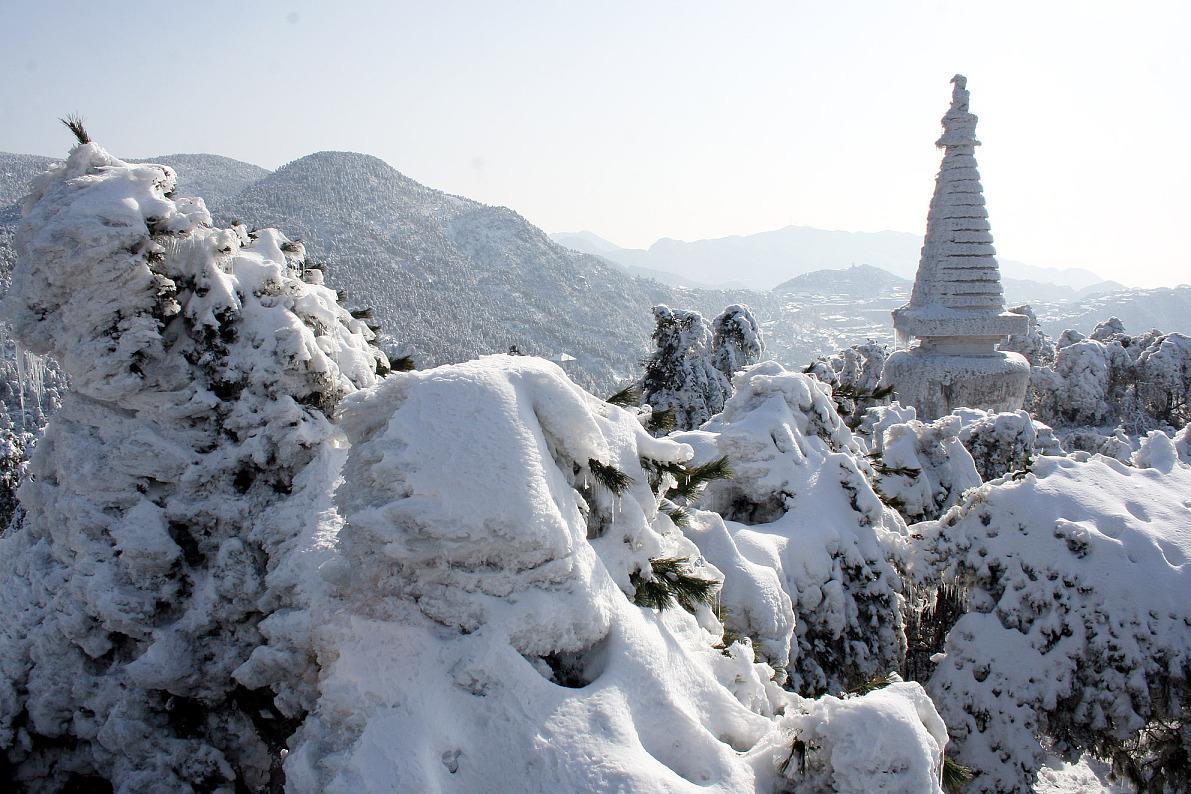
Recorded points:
202,368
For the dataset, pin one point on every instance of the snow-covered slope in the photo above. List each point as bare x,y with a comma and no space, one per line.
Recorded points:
450,278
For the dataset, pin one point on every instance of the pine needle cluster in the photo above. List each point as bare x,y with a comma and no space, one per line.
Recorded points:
692,481
628,397
75,124
661,421
677,513
671,582
956,776
878,681
610,477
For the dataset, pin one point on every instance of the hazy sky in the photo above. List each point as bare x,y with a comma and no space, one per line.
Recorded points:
644,119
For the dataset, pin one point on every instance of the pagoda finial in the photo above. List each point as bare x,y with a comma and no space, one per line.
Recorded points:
959,126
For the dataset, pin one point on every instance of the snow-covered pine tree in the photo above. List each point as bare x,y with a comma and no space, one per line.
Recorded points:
681,375
168,488
736,340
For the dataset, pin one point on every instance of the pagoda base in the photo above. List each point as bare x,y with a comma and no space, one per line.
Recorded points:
935,383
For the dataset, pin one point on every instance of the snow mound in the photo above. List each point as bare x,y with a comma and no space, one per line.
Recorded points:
800,504
484,637
1080,605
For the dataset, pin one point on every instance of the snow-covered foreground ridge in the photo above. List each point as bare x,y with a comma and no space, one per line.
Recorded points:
216,587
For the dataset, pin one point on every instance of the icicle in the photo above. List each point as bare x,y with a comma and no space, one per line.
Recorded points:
21,380
30,377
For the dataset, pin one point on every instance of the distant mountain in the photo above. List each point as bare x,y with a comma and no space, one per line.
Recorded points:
450,278
763,260
216,179
860,281
16,170
1167,309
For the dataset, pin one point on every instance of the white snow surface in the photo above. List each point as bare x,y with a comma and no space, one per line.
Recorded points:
1080,605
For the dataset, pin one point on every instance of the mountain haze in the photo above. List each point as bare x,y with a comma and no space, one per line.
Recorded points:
765,259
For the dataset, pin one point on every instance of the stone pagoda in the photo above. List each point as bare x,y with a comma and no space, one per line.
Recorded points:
957,308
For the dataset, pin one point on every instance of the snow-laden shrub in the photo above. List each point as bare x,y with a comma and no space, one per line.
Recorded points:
854,375
800,504
1116,445
1003,443
1182,444
1077,630
1111,379
921,468
202,368
484,636
736,340
681,375
1034,344
1163,379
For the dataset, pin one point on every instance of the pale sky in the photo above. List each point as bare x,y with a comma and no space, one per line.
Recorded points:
647,119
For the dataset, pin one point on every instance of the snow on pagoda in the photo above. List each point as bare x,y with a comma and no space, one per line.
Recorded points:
957,308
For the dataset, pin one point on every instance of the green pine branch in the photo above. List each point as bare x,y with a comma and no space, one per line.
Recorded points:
628,397
878,681
956,776
612,478
904,471
661,421
692,480
677,514
670,582
75,124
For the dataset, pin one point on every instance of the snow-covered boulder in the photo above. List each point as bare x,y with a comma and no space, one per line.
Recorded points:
1077,630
